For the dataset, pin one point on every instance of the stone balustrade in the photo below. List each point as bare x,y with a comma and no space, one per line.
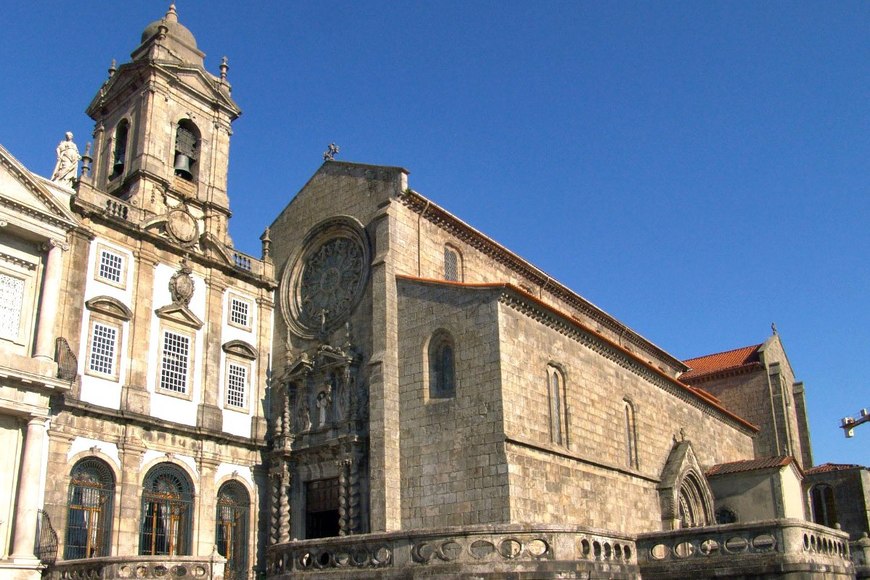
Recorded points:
484,551
788,547
120,567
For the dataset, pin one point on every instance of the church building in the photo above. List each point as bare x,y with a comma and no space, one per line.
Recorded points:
385,392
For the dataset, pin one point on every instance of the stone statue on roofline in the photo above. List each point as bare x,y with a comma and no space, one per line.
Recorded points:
67,167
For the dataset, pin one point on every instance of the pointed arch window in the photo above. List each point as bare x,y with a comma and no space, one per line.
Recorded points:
442,366
187,149
823,505
231,528
630,435
167,512
556,399
119,154
89,510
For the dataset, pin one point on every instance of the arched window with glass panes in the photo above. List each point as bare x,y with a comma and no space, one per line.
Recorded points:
167,512
630,435
231,528
442,369
90,501
556,401
452,264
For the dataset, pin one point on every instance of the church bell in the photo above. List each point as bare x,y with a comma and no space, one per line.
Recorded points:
182,166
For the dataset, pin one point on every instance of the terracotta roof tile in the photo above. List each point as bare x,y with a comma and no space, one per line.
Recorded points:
721,361
828,467
750,465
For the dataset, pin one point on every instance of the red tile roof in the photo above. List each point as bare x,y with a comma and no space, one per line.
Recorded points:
827,467
721,361
750,465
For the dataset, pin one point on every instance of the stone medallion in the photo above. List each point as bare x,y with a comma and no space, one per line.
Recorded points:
327,280
182,227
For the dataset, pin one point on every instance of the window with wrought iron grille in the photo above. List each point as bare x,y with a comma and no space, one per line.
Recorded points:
167,509
237,385
451,265
240,312
89,510
104,344
175,365
111,267
231,529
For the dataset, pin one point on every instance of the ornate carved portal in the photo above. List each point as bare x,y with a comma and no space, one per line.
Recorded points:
319,432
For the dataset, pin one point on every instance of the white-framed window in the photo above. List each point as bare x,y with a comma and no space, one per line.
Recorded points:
111,267
240,312
11,305
104,346
237,385
175,362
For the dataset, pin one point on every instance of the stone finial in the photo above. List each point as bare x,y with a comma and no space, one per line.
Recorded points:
266,238
171,14
67,166
113,68
224,68
87,160
773,328
331,151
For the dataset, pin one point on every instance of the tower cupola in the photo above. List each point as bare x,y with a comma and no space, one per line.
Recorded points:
163,126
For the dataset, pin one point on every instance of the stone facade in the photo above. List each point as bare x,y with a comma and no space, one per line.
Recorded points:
385,393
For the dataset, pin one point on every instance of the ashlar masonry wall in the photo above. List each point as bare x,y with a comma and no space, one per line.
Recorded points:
589,478
454,470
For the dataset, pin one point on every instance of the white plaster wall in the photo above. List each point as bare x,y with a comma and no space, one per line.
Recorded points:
81,444
98,390
159,456
236,421
169,407
792,494
242,472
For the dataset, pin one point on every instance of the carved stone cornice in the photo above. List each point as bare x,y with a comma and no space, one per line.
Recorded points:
613,353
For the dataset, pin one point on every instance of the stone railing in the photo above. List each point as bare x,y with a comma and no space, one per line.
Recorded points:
108,205
543,551
745,549
119,567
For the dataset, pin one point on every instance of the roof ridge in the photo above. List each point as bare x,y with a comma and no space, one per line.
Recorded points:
755,346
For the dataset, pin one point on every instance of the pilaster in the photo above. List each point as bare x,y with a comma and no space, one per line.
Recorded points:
385,460
129,493
135,396
209,414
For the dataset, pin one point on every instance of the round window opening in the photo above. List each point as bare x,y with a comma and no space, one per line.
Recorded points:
327,280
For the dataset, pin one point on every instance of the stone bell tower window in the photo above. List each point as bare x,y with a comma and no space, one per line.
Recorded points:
119,155
186,150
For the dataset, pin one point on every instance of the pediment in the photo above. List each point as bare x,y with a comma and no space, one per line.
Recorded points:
24,194
240,348
110,307
179,313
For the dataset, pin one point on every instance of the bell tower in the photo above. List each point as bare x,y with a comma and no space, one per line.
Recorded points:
162,128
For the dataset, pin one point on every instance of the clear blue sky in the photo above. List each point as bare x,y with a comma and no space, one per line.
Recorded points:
697,169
